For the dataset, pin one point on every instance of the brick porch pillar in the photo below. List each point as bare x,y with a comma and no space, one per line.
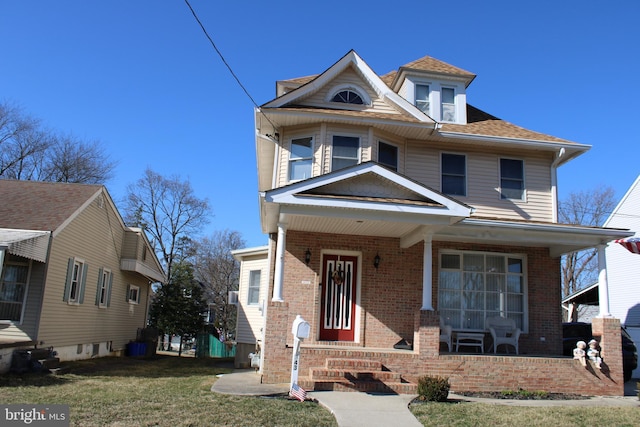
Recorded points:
426,335
276,360
606,330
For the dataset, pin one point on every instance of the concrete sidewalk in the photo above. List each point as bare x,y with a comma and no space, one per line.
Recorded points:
353,409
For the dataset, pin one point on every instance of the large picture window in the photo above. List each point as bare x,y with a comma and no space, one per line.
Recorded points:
13,291
474,286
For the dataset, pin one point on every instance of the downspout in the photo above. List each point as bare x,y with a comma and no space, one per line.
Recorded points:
554,183
44,285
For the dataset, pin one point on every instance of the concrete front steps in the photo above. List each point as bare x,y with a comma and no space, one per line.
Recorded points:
355,375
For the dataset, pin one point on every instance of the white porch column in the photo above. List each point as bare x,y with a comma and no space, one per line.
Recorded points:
2,251
278,278
603,284
427,282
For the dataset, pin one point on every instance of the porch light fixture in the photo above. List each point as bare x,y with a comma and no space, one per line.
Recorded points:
376,261
307,256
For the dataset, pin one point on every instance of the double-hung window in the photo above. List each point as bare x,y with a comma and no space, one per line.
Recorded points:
345,151
454,169
474,286
76,281
103,293
448,104
13,291
422,98
388,155
300,158
133,294
254,287
511,179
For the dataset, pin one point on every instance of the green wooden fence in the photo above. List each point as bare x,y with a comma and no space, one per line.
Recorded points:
210,346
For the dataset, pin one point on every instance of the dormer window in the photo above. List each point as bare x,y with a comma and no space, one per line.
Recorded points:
448,104
422,98
348,97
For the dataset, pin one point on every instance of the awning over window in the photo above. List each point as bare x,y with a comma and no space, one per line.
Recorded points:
30,244
631,243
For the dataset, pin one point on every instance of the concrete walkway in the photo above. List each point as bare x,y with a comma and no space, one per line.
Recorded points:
353,409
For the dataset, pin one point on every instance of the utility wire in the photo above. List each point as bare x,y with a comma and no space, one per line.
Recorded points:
193,12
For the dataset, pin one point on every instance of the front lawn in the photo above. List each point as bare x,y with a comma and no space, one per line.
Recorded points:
163,391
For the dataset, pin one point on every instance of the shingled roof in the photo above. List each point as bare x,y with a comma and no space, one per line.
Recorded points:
34,205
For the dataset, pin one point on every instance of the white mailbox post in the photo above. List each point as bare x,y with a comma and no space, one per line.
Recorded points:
300,331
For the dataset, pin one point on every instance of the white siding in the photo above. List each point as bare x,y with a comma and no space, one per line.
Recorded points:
250,317
623,267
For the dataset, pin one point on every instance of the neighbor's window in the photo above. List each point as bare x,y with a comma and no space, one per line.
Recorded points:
348,97
103,294
76,281
300,158
13,291
422,98
448,104
474,286
388,155
254,287
133,294
345,152
511,179
454,170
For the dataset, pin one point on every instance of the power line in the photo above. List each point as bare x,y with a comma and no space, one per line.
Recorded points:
204,30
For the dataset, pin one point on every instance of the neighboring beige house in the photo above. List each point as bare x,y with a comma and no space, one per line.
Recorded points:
73,277
251,299
390,202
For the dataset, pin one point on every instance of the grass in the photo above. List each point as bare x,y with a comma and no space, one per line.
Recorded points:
481,414
176,391
164,391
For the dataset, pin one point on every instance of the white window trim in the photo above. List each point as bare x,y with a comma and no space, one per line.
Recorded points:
455,104
26,291
131,288
525,282
349,135
109,275
466,173
249,287
353,88
524,181
429,98
313,141
77,300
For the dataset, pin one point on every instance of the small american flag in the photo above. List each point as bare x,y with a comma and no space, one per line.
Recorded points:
298,392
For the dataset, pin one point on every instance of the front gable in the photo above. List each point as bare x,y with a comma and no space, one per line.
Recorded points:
365,192
349,72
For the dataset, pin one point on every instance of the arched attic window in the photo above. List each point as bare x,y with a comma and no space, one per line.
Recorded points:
349,95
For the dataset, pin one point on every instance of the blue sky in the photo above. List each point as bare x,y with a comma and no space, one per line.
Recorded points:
140,76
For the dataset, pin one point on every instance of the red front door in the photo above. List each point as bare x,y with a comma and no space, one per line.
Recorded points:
338,297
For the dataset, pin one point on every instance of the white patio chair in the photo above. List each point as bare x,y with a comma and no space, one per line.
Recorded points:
445,333
503,331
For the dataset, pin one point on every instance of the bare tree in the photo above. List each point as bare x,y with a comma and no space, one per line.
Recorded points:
30,152
168,210
590,208
74,160
219,272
